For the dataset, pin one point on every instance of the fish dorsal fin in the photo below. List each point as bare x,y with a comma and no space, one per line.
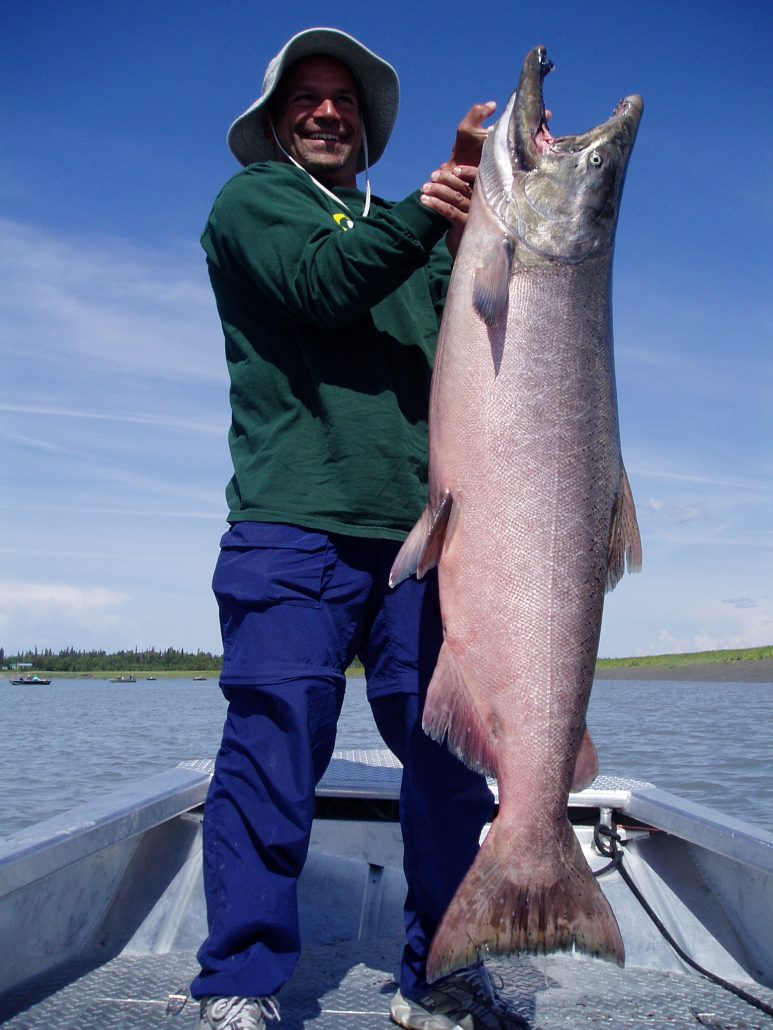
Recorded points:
492,282
624,541
424,544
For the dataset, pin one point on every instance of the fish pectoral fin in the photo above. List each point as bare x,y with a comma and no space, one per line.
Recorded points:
424,544
547,902
586,766
450,714
624,540
492,283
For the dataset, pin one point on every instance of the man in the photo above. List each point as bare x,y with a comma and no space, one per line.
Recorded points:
330,301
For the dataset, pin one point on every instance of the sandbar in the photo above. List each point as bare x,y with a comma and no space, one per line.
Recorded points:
759,671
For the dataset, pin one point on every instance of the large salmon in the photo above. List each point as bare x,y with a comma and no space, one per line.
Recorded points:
530,518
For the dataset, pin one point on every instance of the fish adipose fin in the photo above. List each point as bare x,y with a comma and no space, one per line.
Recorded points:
586,766
624,541
554,905
492,283
424,544
450,715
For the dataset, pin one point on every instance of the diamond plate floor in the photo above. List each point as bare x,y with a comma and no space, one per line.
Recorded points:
347,986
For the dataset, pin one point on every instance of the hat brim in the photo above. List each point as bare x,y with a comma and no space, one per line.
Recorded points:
376,78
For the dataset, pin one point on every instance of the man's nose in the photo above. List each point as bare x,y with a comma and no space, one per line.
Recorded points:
326,109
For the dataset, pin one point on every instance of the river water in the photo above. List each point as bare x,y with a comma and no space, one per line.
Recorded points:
78,739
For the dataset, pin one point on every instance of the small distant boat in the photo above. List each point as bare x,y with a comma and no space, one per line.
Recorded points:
124,679
151,679
199,679
34,681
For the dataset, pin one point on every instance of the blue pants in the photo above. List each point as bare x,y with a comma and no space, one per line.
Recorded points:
296,606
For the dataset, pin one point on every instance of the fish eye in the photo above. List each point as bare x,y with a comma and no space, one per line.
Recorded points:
596,160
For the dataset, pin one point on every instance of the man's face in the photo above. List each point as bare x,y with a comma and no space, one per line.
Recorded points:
316,114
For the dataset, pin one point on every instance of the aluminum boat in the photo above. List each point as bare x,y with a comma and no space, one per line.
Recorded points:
102,909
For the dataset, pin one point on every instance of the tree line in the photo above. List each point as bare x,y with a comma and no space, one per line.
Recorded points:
71,660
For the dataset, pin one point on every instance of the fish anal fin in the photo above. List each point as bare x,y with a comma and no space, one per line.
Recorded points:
586,766
450,715
557,906
492,282
624,540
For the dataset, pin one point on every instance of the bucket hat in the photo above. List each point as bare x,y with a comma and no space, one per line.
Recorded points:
376,78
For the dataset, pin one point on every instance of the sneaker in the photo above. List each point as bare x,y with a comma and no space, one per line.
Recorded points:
237,1013
466,1000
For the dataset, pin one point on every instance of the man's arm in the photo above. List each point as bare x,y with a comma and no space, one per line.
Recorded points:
273,232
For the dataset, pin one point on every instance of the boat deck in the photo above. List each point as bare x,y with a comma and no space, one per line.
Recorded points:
351,919
347,986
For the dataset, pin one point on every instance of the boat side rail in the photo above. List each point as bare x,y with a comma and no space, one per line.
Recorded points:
376,774
705,827
44,848
38,850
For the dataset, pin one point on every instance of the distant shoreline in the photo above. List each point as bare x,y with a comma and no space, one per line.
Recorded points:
759,670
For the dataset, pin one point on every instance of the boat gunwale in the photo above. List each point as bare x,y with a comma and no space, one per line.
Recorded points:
52,844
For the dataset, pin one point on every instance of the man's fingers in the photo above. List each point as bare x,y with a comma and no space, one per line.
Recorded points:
471,134
455,177
476,116
451,191
449,210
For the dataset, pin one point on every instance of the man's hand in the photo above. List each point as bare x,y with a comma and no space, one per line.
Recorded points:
471,135
448,192
450,187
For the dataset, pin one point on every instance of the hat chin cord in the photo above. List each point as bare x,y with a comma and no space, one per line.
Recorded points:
318,184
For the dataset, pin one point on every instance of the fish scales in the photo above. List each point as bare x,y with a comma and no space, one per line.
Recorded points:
530,518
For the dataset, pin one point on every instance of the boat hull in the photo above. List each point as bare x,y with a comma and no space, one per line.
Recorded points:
123,877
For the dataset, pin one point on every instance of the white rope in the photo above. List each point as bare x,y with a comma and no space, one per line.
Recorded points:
317,183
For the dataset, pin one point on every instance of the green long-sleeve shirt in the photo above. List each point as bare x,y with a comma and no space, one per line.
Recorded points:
330,324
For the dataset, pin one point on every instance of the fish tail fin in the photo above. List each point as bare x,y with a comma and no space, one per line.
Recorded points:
450,715
624,541
554,905
423,545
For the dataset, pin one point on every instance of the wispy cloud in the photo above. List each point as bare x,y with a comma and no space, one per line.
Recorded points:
761,483
57,595
72,609
707,640
133,311
677,512
168,421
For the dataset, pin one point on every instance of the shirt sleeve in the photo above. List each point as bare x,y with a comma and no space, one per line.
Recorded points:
273,231
439,269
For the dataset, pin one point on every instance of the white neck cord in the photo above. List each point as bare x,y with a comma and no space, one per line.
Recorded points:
318,184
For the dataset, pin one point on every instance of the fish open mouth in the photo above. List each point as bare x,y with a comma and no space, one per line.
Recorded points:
529,135
555,197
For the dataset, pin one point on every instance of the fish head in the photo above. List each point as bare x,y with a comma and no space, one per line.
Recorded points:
556,197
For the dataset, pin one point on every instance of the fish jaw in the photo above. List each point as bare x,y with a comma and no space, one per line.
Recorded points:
556,198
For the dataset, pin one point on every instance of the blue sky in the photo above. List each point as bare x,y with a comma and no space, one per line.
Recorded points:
113,391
